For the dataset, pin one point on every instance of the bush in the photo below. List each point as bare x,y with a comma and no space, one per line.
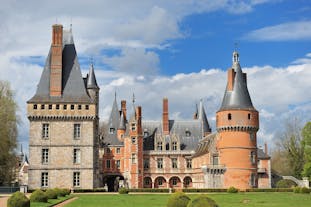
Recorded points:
269,190
204,190
18,199
285,184
62,192
202,201
232,190
38,196
296,189
123,191
178,199
304,190
51,193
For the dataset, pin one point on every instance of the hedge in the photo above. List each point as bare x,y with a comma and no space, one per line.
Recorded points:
18,199
38,196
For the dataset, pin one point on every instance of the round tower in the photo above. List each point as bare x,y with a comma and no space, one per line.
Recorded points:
237,123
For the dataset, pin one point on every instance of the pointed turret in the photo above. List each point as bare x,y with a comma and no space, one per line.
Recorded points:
114,119
122,122
236,94
203,118
91,79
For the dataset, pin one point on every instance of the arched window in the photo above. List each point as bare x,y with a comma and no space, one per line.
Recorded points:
229,116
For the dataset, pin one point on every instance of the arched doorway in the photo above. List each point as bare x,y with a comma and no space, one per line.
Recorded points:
147,182
175,182
187,182
113,182
160,182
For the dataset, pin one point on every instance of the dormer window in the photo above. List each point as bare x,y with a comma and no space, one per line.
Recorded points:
229,116
174,146
111,130
146,134
159,146
133,126
188,133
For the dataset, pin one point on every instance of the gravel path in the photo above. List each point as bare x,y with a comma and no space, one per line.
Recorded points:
3,200
66,202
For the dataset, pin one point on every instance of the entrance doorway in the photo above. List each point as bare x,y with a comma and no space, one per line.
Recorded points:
113,182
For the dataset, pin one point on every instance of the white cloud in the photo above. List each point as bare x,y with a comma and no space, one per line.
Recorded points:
288,31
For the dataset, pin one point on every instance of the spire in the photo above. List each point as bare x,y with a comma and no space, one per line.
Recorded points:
91,80
122,122
203,118
26,159
196,113
236,96
114,119
133,116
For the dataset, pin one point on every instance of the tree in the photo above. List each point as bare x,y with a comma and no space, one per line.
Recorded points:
8,133
290,145
306,143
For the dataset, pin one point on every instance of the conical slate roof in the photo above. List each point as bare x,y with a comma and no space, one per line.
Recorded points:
202,117
239,97
91,79
73,87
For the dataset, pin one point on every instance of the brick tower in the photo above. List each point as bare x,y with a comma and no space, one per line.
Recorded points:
237,124
63,115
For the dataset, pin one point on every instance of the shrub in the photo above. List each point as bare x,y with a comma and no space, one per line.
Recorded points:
202,201
123,191
204,190
62,192
18,199
178,199
232,190
304,190
38,196
51,193
296,189
285,184
66,191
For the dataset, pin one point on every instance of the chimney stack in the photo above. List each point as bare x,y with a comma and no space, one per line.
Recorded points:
123,108
266,148
56,61
165,121
138,119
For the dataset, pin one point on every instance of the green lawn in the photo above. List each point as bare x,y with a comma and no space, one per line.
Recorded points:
223,200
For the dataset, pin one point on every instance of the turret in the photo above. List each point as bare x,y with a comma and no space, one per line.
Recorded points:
92,87
237,124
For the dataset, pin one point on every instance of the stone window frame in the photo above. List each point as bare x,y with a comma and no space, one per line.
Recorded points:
42,106
133,126
45,156
76,179
189,163
45,131
72,107
108,164
174,161
87,107
118,150
44,179
50,106
57,107
133,158
35,106
215,159
133,140
77,156
65,107
253,157
77,130
160,163
118,164
79,107
174,145
146,163
159,145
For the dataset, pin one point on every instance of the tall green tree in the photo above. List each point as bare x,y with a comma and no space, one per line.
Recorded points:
306,143
290,144
8,133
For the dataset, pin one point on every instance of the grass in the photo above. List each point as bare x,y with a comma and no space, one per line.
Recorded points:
50,202
222,199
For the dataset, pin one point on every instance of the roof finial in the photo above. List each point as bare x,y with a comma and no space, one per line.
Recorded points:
235,58
236,46
133,98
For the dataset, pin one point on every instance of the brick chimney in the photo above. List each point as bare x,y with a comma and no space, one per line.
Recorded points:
165,121
266,148
56,61
138,119
123,108
231,75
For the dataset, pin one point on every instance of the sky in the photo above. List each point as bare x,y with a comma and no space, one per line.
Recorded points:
179,49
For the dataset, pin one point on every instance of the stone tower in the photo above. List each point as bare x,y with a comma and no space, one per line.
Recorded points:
63,115
237,124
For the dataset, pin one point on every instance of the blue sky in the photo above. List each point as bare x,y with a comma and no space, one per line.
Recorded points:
178,49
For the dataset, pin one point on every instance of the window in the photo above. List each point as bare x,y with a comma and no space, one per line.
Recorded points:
76,179
111,130
167,146
42,106
45,156
174,181
146,163
146,134
249,116
253,157
133,158
174,146
215,160
133,126
118,150
160,181
76,131
147,181
108,151
107,163
229,116
35,106
189,163
174,163
65,107
57,106
44,179
72,107
188,133
45,131
159,146
253,180
160,163
50,106
133,140
86,107
187,181
76,156
79,107
118,164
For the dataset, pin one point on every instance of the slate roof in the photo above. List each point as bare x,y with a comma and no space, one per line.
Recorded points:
73,86
261,154
239,97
